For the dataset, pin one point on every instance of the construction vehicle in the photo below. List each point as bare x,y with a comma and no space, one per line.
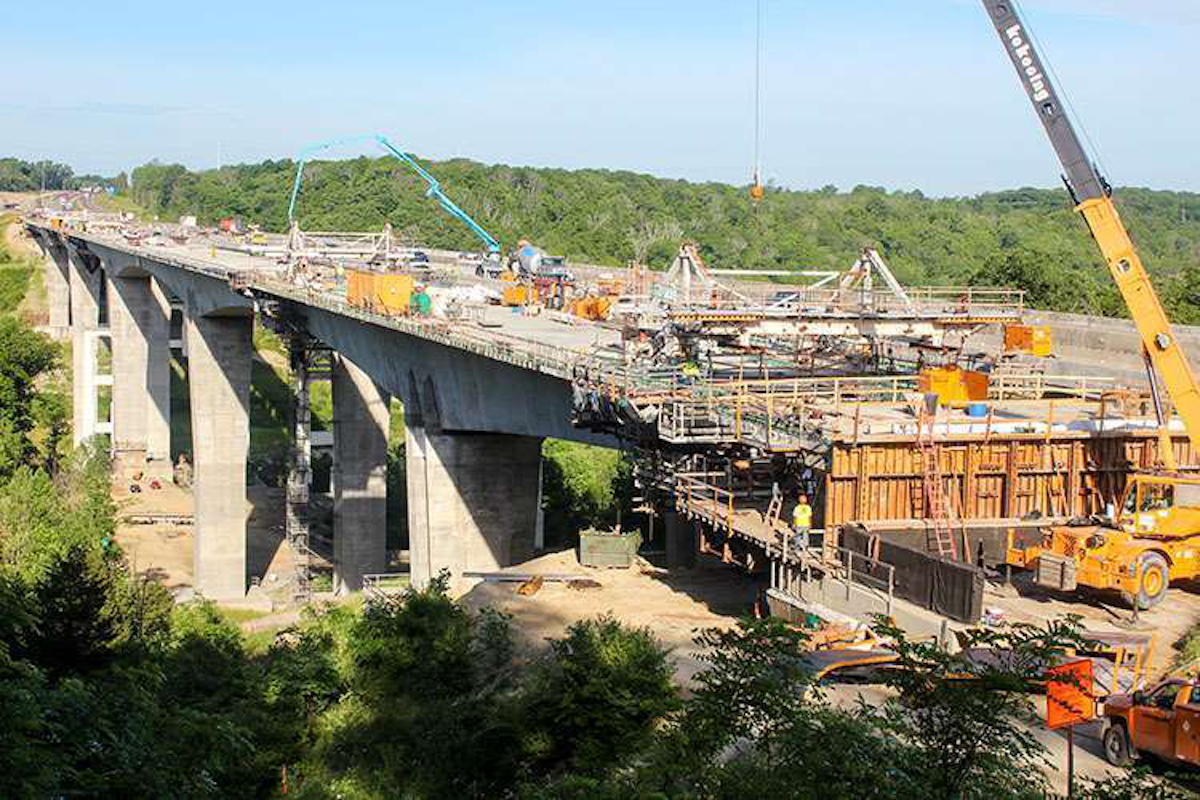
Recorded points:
530,262
1155,537
1164,722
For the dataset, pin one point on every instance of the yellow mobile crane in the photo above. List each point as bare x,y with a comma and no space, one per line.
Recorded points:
1154,536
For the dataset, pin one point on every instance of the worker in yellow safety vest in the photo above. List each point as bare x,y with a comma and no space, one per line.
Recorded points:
801,523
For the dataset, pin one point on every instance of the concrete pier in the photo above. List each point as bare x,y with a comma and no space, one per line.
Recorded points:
681,540
472,500
219,358
57,274
141,412
361,413
85,296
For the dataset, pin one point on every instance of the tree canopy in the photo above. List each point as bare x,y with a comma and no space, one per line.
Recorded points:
1030,237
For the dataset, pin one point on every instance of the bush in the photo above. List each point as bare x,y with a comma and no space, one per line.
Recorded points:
600,696
14,282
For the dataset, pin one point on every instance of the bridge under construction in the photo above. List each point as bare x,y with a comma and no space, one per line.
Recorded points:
929,414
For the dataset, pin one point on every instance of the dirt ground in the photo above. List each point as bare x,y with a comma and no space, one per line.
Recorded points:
673,605
1102,613
164,551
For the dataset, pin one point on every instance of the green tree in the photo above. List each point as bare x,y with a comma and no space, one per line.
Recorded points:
25,356
596,702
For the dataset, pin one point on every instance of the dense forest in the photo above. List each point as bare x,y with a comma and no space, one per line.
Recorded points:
1027,238
30,176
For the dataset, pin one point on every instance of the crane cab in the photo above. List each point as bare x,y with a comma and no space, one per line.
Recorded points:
1152,540
1165,506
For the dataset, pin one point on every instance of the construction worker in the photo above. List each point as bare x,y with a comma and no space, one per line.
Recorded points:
183,473
801,523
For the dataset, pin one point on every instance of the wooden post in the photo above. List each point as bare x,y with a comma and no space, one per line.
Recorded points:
970,501
1070,761
1010,482
862,512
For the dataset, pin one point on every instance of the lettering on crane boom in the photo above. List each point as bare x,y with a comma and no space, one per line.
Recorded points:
1023,51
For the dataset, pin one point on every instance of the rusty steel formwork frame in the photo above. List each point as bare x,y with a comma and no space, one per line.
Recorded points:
1055,476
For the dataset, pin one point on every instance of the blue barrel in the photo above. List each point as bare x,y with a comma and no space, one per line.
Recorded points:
977,410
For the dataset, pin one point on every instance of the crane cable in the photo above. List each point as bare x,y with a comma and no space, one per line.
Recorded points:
756,190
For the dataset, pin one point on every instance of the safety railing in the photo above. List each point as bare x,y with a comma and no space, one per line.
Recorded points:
941,302
1006,386
698,498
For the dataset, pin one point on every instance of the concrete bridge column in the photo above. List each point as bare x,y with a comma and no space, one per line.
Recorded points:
219,357
361,413
141,393
680,537
472,500
85,321
57,274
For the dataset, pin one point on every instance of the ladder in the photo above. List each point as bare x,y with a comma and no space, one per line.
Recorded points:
940,534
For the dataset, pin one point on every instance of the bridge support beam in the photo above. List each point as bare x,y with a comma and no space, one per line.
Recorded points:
472,500
141,393
219,358
361,416
57,274
85,321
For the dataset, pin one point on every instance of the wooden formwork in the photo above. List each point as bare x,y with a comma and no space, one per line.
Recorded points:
997,478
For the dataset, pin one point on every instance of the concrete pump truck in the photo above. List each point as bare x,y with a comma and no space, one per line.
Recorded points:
1153,537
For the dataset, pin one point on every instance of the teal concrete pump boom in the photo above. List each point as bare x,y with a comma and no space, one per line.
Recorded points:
434,190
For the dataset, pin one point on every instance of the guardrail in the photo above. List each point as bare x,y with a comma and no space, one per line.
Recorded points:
695,498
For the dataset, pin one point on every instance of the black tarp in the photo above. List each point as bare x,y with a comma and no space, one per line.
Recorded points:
946,587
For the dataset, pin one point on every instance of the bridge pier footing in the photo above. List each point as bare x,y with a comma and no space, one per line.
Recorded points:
141,392
472,500
219,358
361,416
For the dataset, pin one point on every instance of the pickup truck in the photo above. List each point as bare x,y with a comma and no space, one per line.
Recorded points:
1164,722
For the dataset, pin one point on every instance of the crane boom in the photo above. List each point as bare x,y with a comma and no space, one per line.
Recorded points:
1093,198
434,190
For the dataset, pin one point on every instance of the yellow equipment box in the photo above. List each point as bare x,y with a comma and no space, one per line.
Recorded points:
1036,340
393,293
591,308
955,386
516,295
360,287
382,293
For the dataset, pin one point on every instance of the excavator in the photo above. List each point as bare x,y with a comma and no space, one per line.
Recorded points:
1153,536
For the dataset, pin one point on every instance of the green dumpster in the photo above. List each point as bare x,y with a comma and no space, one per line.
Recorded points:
608,548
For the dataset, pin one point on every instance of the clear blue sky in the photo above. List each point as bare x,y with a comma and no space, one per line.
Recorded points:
909,94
